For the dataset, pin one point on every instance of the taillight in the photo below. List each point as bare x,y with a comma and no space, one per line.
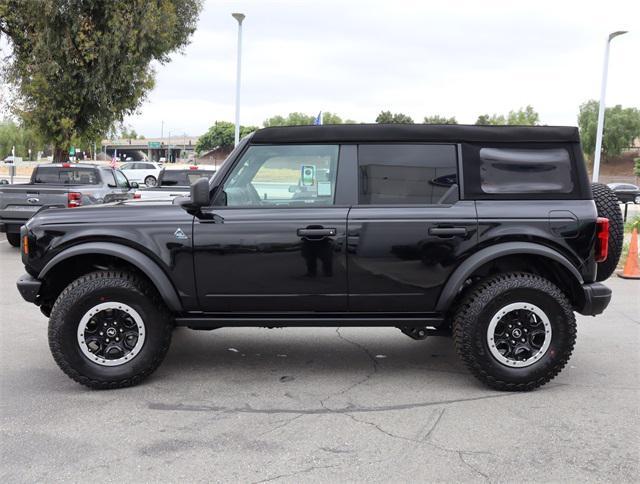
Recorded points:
25,244
193,167
602,239
74,199
137,195
66,165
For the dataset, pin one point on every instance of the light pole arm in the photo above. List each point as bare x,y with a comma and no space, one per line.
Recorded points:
602,107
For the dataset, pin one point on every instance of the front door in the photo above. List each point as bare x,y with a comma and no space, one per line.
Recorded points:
409,229
273,240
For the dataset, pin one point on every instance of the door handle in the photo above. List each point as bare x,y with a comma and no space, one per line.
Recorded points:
447,231
317,233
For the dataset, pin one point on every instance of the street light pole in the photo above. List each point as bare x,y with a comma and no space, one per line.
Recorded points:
239,17
601,108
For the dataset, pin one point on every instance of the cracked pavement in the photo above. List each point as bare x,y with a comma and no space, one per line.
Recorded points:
317,405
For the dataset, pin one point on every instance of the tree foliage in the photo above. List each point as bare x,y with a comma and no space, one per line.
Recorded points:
77,67
387,117
13,135
221,135
621,127
526,116
301,119
437,119
636,166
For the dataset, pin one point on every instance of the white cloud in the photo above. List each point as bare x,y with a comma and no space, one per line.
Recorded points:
461,58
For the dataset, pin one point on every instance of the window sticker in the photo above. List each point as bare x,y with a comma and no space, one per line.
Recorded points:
324,189
308,175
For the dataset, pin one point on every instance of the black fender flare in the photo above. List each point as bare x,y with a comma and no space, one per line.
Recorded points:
144,263
464,270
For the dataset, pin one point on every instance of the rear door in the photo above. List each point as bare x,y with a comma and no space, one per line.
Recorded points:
273,241
409,229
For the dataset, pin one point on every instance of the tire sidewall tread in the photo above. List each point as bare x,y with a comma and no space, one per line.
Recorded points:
472,318
94,288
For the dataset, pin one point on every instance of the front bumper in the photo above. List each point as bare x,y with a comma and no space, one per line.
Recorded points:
596,299
29,287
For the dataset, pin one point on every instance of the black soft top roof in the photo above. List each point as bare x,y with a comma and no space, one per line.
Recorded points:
415,133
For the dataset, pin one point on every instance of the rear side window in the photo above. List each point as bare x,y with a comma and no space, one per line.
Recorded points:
66,176
405,174
520,171
511,170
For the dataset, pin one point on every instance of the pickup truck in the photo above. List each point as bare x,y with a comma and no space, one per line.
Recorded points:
174,182
59,185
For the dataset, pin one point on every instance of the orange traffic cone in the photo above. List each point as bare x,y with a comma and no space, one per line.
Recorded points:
631,268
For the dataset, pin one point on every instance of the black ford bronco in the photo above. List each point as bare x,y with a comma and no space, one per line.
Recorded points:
492,235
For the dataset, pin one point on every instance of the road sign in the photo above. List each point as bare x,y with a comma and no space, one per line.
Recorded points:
154,144
72,151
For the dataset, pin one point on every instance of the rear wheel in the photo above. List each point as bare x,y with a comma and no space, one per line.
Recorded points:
608,206
150,181
637,200
515,331
109,330
14,239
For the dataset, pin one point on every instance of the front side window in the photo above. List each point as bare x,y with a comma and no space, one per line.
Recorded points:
405,174
121,179
282,175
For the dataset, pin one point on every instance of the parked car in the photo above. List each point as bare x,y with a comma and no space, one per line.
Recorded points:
59,185
174,181
12,159
146,172
449,230
626,192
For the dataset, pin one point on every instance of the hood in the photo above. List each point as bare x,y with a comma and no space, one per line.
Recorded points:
126,212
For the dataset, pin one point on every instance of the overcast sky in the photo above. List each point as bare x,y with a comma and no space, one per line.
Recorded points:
355,58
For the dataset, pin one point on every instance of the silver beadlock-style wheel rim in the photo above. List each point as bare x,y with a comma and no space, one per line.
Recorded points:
111,334
519,334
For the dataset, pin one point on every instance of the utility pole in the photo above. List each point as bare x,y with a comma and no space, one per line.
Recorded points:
239,17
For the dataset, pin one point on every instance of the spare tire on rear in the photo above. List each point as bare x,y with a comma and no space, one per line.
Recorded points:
608,206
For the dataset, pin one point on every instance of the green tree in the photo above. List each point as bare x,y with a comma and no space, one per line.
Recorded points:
23,139
489,120
437,119
526,116
77,67
636,167
292,119
387,117
621,127
221,135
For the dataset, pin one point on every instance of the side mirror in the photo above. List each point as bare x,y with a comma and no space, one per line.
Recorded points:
133,185
200,193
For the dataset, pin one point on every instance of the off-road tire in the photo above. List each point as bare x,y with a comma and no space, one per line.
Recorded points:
13,239
472,318
106,286
608,206
150,181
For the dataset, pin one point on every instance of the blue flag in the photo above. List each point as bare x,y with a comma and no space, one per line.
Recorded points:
318,120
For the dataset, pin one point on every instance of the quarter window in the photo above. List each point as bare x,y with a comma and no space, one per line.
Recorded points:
407,174
284,175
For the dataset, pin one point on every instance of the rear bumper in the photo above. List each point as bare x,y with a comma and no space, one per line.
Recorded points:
29,287
596,299
11,226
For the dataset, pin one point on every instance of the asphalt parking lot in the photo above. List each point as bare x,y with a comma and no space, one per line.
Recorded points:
331,405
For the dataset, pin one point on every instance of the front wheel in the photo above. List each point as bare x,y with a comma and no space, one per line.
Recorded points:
515,331
150,181
109,330
14,239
